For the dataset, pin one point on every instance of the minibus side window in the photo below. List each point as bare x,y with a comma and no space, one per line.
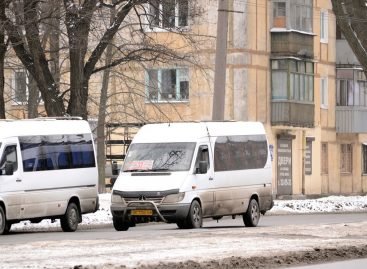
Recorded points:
54,152
240,152
9,156
203,155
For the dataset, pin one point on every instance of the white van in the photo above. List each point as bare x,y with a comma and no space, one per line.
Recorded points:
47,170
184,172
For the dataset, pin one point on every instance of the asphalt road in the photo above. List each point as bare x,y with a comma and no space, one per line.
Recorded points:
161,229
279,241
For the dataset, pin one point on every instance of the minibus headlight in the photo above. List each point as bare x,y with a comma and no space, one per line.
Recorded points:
174,198
116,199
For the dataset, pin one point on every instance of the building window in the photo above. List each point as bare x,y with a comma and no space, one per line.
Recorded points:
167,85
20,87
364,156
346,158
279,14
301,15
168,14
351,94
324,159
324,92
294,14
324,26
292,80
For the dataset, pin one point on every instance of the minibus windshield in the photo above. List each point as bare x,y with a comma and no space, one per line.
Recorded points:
156,157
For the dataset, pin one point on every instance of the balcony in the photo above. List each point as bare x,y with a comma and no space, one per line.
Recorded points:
291,43
292,113
351,119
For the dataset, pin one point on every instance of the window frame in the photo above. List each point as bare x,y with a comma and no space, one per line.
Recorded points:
277,18
324,92
298,15
324,27
364,158
300,81
346,158
349,93
159,27
182,74
15,91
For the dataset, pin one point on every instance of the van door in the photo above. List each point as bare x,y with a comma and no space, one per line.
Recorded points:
203,172
10,178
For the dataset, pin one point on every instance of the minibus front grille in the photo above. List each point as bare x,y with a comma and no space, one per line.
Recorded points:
156,200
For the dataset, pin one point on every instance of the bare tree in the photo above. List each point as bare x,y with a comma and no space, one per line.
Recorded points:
351,16
101,153
3,47
78,19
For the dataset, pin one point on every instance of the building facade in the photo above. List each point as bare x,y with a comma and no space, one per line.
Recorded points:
287,66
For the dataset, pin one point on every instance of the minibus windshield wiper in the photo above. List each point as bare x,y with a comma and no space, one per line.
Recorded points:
136,170
158,169
147,170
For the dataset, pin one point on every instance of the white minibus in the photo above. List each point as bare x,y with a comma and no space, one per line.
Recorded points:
47,171
184,172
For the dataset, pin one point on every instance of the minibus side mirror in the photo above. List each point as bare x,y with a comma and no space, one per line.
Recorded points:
115,168
203,167
9,169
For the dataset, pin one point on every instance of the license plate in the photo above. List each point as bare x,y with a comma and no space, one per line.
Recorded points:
141,212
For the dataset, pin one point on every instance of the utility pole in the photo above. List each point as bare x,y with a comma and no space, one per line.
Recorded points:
220,62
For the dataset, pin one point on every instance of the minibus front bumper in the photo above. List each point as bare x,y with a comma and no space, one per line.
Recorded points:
147,211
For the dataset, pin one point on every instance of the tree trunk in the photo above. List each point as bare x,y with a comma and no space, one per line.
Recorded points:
33,98
33,57
2,59
101,150
78,22
54,38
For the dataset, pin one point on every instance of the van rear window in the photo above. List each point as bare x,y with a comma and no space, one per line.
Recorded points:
55,152
240,152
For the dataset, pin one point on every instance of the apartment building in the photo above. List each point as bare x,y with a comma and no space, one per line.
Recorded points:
287,66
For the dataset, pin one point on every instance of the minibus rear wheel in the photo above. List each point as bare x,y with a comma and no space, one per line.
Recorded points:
70,221
4,224
252,215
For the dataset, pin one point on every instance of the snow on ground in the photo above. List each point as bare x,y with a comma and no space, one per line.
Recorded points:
331,204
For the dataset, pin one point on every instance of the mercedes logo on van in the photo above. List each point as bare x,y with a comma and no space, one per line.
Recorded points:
142,197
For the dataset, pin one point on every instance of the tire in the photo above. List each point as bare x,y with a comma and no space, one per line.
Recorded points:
4,224
252,215
119,224
182,224
71,219
195,218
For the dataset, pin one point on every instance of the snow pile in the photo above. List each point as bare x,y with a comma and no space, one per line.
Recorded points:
331,204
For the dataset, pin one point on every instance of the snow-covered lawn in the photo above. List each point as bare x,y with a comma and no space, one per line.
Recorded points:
331,204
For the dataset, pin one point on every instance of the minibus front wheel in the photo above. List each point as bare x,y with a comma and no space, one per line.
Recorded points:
119,224
194,219
4,224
